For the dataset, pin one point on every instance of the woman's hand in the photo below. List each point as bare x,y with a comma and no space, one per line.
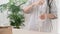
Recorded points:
50,16
43,16
39,2
28,8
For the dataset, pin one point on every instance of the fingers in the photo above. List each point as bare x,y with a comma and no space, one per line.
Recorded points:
44,16
41,2
51,16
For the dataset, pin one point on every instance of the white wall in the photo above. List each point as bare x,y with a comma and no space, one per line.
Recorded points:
58,16
3,1
3,16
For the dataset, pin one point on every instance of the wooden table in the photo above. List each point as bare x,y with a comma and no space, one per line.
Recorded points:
5,30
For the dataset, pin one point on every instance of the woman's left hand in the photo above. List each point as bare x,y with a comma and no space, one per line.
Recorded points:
51,16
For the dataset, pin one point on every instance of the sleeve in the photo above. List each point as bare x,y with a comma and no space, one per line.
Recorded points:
54,8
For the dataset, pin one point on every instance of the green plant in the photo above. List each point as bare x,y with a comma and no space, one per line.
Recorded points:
16,16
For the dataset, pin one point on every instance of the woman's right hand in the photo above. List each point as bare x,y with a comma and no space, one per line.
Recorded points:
43,16
40,2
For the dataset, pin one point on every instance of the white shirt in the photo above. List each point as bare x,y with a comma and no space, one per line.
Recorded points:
33,22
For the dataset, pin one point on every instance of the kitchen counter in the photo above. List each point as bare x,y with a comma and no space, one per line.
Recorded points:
20,31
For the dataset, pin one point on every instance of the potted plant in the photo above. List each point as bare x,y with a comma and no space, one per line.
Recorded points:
16,16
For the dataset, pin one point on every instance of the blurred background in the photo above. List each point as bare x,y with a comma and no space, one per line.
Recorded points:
10,8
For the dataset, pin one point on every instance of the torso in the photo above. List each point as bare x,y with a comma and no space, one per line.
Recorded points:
35,23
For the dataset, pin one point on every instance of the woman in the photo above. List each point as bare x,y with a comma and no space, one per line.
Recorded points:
39,16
